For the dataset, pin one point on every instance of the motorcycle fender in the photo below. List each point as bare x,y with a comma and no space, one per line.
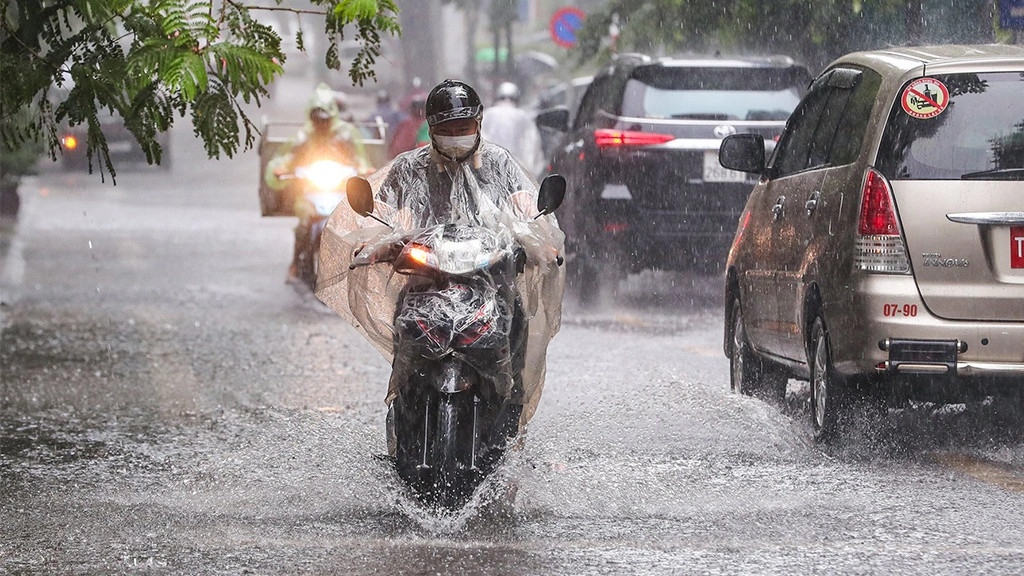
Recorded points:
454,378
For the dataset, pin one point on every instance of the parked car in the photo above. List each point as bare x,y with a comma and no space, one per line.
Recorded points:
641,158
882,250
121,144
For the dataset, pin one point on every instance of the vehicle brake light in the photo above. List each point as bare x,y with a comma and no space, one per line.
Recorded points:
876,211
607,138
879,247
69,142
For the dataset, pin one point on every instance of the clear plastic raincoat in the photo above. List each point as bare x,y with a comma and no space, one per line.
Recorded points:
419,189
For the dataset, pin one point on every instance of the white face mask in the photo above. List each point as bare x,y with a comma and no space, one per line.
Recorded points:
456,147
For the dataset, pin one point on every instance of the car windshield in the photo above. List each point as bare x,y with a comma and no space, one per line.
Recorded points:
975,132
712,93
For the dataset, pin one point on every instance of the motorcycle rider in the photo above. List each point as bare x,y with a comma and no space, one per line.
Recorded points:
407,134
325,135
459,178
512,128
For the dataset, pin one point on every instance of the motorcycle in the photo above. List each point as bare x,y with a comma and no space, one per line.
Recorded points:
460,334
324,181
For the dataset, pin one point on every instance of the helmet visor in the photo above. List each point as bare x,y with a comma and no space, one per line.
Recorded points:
454,114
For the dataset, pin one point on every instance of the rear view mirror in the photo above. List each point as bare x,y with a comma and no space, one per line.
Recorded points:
360,195
552,192
743,152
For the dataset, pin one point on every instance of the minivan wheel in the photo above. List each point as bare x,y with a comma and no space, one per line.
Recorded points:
828,394
749,374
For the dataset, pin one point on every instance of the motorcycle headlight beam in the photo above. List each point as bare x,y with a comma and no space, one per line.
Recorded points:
328,174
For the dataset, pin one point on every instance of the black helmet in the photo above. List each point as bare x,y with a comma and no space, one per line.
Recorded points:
452,100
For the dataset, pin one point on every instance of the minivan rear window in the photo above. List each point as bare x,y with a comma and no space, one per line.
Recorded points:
713,93
979,132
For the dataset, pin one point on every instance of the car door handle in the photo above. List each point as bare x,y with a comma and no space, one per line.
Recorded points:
779,209
812,202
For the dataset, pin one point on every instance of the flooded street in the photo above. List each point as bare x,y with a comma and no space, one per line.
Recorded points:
170,405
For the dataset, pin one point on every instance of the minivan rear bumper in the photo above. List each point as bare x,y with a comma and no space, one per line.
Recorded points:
883,328
938,358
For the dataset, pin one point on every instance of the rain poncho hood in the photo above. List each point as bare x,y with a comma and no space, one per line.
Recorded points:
420,189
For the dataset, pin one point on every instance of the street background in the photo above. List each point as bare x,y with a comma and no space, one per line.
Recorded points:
169,405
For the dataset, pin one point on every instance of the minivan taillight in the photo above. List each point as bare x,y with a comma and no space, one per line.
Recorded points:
880,247
605,138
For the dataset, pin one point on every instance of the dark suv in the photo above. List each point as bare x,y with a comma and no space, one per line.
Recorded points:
641,158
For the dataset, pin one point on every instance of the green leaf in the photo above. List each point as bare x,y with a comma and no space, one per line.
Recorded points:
152,60
215,121
186,73
350,10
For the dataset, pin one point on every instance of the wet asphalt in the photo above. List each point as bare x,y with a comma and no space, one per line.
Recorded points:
169,405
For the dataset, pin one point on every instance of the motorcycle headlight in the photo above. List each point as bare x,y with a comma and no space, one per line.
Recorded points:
328,174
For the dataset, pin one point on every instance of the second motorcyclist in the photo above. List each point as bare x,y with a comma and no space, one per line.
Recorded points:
325,135
458,179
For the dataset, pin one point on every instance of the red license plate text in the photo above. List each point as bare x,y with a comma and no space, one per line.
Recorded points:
1017,247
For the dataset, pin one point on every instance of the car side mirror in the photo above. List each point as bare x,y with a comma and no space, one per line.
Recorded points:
556,118
360,195
552,192
743,152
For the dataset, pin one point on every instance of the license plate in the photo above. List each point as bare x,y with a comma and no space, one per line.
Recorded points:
1017,247
715,172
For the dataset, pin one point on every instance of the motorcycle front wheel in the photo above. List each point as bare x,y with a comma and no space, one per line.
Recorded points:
434,446
455,477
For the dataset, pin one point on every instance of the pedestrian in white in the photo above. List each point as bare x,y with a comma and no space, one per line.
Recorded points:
512,128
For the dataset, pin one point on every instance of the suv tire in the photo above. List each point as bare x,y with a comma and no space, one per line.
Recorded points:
595,274
828,391
748,373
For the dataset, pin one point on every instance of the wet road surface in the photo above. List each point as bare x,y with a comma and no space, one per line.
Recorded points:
169,405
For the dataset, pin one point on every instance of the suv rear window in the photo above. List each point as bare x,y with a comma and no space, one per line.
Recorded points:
980,132
713,93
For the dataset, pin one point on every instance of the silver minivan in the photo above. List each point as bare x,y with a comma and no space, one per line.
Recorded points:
882,249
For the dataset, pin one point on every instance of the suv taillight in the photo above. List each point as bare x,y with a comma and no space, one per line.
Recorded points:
606,138
880,246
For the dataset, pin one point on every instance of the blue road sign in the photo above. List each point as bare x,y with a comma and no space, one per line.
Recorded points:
564,24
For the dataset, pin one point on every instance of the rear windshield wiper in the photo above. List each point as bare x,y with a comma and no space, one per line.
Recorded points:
996,174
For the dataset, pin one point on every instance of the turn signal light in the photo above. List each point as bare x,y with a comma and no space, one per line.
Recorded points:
420,255
606,138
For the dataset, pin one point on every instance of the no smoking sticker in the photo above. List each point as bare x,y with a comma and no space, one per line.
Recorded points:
925,98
